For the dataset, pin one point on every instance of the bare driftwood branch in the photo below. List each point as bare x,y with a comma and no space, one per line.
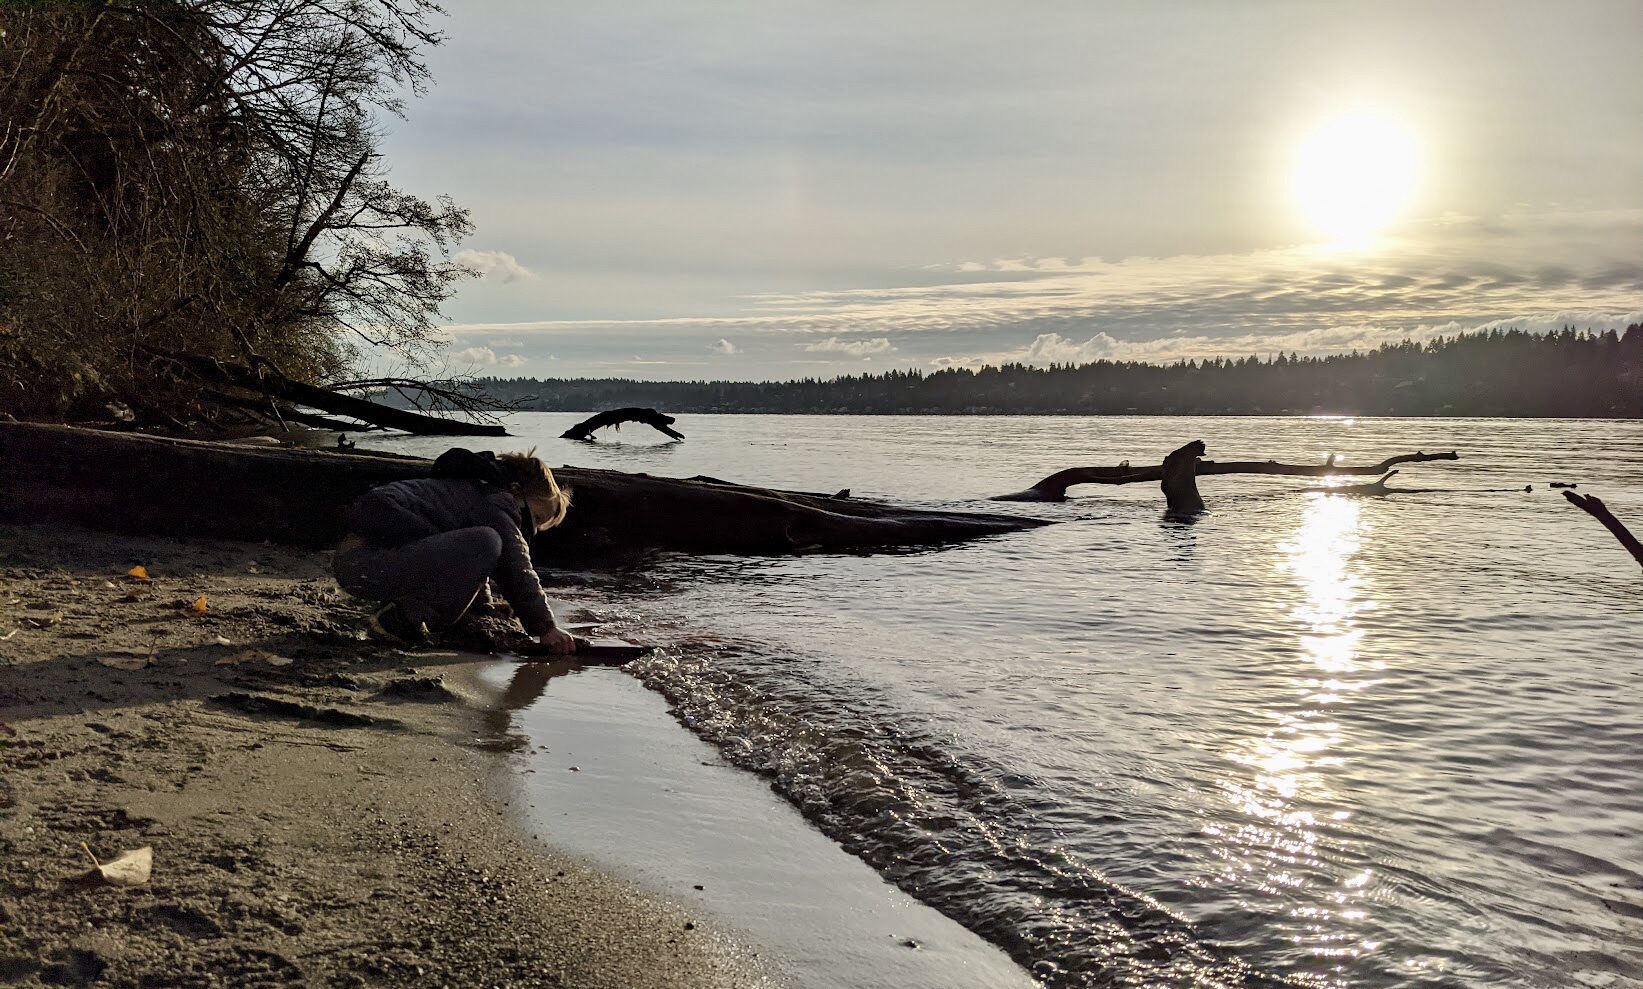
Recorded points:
1593,506
615,417
269,382
440,396
1376,487
283,411
1054,487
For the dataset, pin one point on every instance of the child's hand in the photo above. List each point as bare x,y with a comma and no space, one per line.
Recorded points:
558,641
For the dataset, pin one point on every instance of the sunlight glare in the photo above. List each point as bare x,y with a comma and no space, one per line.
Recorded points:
1355,173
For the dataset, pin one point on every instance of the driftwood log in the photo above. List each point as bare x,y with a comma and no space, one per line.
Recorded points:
615,417
1054,487
1375,487
1593,506
134,483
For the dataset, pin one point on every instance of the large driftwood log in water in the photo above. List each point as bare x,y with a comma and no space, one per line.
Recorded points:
615,417
133,483
1054,487
1593,506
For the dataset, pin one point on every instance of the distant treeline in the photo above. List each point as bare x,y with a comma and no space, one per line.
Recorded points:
1498,373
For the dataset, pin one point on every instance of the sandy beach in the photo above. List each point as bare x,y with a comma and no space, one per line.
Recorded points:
319,809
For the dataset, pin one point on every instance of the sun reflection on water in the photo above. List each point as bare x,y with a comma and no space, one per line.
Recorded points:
1285,798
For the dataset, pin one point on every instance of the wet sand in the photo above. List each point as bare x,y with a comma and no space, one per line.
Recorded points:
599,765
330,820
330,811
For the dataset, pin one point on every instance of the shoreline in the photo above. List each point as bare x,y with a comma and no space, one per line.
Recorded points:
352,814
601,767
324,818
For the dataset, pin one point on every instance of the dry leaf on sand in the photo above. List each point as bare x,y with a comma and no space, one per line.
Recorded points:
127,659
130,868
124,662
254,656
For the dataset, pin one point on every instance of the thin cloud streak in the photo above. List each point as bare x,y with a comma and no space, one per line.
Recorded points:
1303,298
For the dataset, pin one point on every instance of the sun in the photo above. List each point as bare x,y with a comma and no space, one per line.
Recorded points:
1356,173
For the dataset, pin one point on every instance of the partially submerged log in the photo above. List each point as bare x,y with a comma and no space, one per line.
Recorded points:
1054,487
1376,487
615,417
133,483
1593,506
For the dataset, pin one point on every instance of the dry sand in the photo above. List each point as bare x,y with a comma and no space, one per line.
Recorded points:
322,822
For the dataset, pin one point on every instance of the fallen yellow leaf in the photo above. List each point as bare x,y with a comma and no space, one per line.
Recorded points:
130,868
199,606
127,662
139,571
253,656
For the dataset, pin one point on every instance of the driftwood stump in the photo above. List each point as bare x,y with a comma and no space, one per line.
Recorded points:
1180,480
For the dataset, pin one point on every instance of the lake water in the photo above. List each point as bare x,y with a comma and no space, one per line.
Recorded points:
1305,740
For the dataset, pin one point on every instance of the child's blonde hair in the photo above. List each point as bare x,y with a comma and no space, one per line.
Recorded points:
534,479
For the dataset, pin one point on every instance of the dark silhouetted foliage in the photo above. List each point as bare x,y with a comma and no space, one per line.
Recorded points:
202,177
1497,373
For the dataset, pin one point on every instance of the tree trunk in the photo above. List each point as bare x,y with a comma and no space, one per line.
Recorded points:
280,387
276,411
141,484
1054,487
615,417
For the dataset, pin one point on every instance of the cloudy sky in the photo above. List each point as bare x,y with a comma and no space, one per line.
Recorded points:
775,189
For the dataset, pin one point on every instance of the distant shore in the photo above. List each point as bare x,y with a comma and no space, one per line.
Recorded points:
1496,374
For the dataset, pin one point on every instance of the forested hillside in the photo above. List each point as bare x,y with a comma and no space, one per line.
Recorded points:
1499,373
